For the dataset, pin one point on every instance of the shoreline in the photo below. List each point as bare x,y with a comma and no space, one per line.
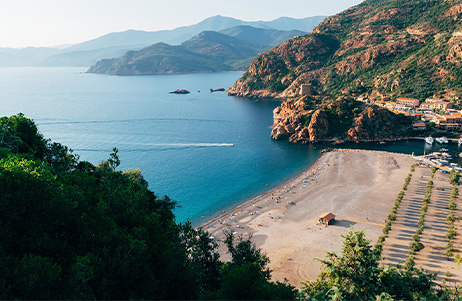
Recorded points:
358,186
261,196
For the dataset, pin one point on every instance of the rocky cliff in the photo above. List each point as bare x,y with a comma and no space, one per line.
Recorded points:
344,120
393,48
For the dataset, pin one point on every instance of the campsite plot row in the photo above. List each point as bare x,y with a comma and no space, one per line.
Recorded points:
433,239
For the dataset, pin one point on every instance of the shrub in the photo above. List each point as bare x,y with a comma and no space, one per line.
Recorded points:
454,177
432,174
451,219
451,232
448,251
410,263
420,230
407,181
392,217
387,227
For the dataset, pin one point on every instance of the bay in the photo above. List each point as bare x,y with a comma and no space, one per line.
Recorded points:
207,151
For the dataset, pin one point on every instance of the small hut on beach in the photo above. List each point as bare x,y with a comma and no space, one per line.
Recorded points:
326,218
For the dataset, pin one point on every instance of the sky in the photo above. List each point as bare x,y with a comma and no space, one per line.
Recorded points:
57,22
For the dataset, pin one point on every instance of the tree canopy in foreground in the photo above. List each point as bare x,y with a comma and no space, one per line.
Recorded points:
73,230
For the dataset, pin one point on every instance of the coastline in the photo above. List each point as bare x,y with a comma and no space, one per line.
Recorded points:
259,197
358,186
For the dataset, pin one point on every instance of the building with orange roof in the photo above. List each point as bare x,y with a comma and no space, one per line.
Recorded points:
326,218
431,104
408,102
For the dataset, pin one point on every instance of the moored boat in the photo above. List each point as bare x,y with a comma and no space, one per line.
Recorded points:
446,156
442,140
429,140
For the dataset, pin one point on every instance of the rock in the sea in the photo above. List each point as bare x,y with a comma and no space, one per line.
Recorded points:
217,90
180,91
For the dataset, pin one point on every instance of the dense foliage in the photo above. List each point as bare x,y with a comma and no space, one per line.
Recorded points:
69,229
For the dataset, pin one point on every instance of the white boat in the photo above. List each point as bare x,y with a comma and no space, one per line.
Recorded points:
442,140
429,140
446,156
460,140
443,162
460,155
444,150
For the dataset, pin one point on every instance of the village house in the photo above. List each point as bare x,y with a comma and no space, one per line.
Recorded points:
409,102
449,122
439,104
406,104
389,105
419,126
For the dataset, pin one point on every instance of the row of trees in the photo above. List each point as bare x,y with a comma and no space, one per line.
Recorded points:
72,230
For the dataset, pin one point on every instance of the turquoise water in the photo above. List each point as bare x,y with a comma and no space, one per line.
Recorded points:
208,151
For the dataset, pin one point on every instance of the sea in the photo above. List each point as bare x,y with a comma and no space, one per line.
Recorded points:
207,151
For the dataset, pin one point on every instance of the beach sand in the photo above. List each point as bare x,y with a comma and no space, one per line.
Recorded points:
358,186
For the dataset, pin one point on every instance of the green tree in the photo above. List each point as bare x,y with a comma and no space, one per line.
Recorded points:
247,277
355,275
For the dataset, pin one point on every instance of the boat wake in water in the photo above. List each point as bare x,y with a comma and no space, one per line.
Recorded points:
154,147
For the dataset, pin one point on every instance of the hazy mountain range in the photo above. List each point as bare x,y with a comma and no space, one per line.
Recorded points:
210,51
118,43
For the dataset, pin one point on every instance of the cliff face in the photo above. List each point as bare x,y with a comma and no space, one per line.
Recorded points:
390,47
272,72
405,48
343,120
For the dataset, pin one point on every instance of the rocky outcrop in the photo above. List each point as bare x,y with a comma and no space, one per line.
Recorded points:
319,126
332,122
376,124
286,122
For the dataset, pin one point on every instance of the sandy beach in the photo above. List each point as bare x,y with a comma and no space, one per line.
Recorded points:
358,186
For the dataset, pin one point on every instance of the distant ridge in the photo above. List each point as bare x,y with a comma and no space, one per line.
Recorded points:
117,43
271,37
209,51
